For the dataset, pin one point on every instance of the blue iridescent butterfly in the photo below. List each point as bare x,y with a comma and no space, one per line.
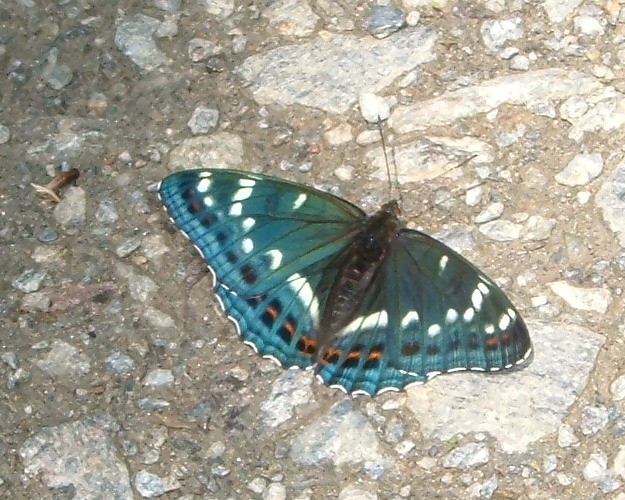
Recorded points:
311,280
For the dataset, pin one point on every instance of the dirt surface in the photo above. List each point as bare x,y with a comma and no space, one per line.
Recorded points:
117,279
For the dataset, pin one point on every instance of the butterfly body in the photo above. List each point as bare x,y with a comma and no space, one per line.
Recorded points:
311,280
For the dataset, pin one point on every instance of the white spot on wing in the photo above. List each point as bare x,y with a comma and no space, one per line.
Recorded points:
451,316
203,185
242,194
477,299
483,288
276,258
299,201
442,264
304,291
434,330
512,314
489,328
235,209
203,175
504,321
248,223
208,201
247,245
247,182
377,319
468,315
411,317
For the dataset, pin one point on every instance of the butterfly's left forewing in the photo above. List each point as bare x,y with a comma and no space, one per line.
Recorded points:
268,243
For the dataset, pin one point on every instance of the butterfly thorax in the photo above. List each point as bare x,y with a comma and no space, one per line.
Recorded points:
358,267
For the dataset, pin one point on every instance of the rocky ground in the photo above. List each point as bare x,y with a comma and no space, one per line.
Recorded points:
120,376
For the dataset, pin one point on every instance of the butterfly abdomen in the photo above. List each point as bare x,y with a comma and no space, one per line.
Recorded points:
358,267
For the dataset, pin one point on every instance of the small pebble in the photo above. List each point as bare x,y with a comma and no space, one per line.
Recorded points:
203,120
373,108
5,134
159,377
29,281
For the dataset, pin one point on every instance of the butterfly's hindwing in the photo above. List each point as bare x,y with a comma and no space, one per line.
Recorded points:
310,279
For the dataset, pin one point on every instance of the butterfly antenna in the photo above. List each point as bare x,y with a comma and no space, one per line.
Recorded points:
388,168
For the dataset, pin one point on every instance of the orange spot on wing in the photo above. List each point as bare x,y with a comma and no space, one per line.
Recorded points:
355,354
331,355
491,343
375,355
288,326
272,311
506,338
307,345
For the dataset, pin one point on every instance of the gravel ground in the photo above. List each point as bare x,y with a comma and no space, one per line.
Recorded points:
121,378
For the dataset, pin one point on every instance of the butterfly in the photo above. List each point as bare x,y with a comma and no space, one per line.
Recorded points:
310,280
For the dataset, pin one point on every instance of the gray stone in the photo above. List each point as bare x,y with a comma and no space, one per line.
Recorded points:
71,210
583,299
275,491
354,492
538,228
290,390
158,377
517,89
611,200
150,485
617,388
581,170
64,361
257,485
10,358
142,288
128,246
550,463
342,436
81,454
451,404
588,25
558,10
566,436
200,49
29,281
467,456
291,17
220,149
492,212
203,120
56,75
373,108
106,213
520,63
5,134
497,32
606,112
594,418
382,20
429,158
337,70
459,238
120,363
221,9
151,404
135,39
501,230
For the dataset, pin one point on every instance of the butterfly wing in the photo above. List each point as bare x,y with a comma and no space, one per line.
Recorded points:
429,311
267,242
